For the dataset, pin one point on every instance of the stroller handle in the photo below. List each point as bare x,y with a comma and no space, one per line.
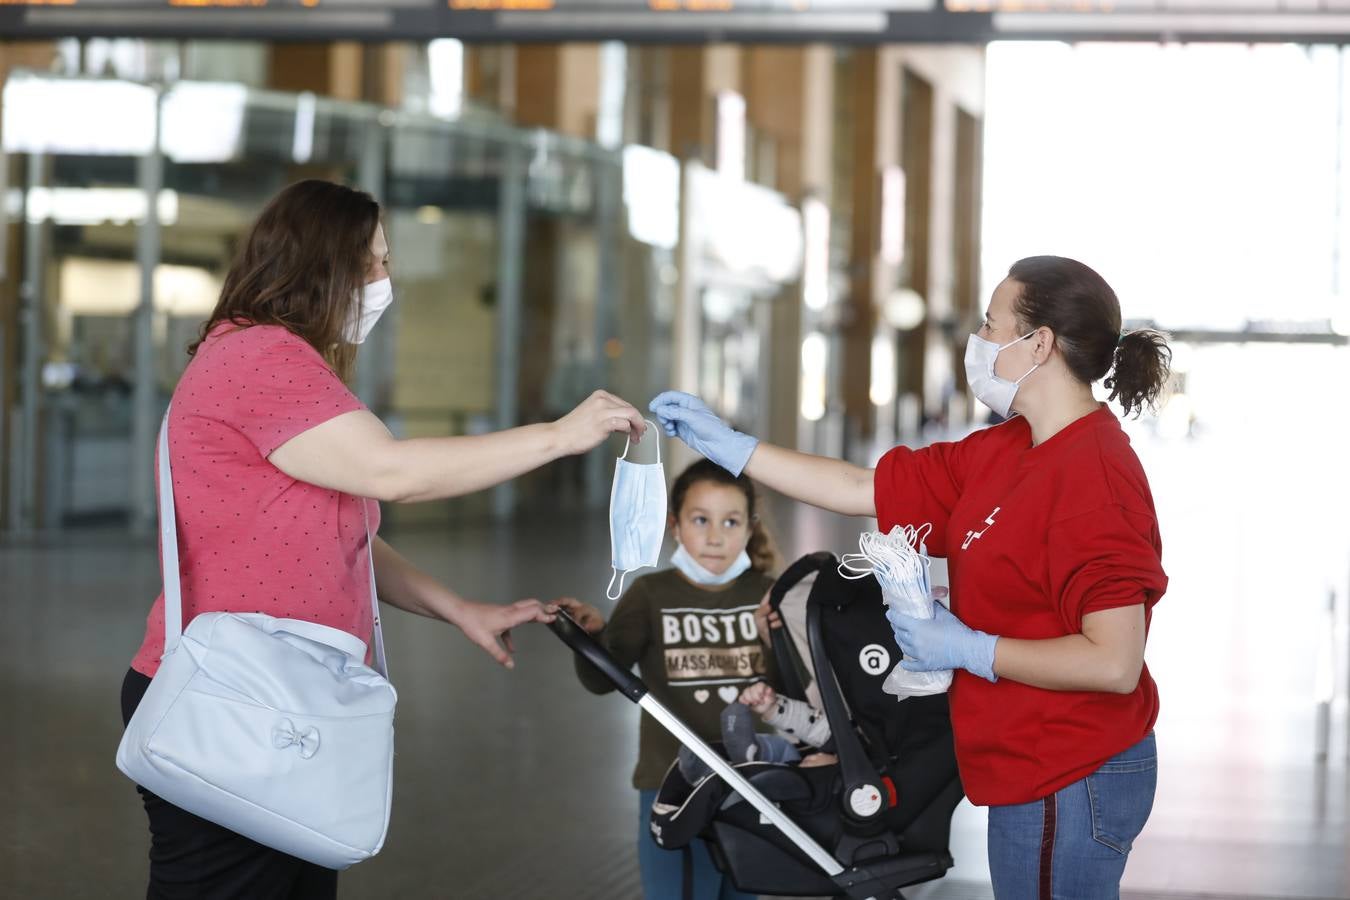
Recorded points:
587,647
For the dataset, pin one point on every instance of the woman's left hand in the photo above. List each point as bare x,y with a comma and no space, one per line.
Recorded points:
942,642
489,625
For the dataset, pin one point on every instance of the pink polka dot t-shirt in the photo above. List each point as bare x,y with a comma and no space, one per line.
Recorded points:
250,537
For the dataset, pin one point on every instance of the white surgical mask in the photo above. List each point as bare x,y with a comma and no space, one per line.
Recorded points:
375,299
994,392
695,572
637,514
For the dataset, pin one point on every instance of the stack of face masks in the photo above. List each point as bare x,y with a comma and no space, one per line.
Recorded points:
900,563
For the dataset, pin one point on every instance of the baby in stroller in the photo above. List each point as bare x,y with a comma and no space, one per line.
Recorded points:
791,718
796,722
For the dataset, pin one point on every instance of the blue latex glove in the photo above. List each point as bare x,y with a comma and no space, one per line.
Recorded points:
942,642
688,418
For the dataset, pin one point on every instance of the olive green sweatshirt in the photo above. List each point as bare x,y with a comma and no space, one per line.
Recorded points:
695,648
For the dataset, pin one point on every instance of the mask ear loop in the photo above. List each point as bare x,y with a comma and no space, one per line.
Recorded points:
609,591
922,533
1019,381
1017,340
628,442
857,566
850,568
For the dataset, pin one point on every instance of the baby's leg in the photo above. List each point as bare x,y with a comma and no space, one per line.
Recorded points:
775,749
738,733
743,745
691,767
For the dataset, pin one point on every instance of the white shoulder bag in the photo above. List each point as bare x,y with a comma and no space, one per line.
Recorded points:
273,728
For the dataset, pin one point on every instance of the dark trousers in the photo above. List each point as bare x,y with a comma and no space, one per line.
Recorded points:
193,858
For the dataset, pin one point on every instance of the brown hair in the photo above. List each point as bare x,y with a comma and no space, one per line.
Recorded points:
1079,306
760,548
302,266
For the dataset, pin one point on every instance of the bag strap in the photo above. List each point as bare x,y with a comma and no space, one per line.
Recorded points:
381,663
173,585
168,545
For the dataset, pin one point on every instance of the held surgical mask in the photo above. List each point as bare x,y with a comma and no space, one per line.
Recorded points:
698,574
994,392
375,299
637,513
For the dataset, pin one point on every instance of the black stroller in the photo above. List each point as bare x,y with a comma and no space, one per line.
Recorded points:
878,821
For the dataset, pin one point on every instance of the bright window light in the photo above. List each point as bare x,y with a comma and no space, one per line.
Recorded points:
815,253
815,353
1199,180
445,57
651,193
882,390
302,144
91,206
77,116
203,121
613,84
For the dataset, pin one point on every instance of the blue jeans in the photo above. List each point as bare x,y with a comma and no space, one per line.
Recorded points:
1073,844
663,870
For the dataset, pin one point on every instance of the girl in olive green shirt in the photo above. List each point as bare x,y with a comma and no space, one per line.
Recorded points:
698,635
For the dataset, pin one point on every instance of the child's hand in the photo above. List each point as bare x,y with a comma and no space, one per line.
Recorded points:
588,617
760,697
766,619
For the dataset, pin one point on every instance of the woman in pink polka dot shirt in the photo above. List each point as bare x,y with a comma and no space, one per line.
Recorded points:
275,463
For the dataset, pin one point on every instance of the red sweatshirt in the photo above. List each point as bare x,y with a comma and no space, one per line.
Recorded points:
1035,539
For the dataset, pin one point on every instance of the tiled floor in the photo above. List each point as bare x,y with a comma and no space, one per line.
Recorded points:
516,784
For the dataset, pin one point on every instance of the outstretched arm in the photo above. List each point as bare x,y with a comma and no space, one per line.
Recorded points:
402,584
354,453
830,484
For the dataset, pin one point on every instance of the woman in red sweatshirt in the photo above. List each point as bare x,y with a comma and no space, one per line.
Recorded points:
1052,542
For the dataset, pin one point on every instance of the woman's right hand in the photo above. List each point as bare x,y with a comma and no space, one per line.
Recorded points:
688,418
599,415
588,617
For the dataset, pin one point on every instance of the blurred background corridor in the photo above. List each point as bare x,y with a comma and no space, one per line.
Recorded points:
791,210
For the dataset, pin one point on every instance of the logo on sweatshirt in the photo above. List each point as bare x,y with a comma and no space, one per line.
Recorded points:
712,648
874,659
976,535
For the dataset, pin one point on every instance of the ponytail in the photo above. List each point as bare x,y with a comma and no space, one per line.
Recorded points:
1141,368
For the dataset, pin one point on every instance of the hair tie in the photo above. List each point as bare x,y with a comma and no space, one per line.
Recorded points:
1120,339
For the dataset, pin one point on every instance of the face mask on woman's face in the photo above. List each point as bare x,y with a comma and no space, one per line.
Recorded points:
375,299
991,390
